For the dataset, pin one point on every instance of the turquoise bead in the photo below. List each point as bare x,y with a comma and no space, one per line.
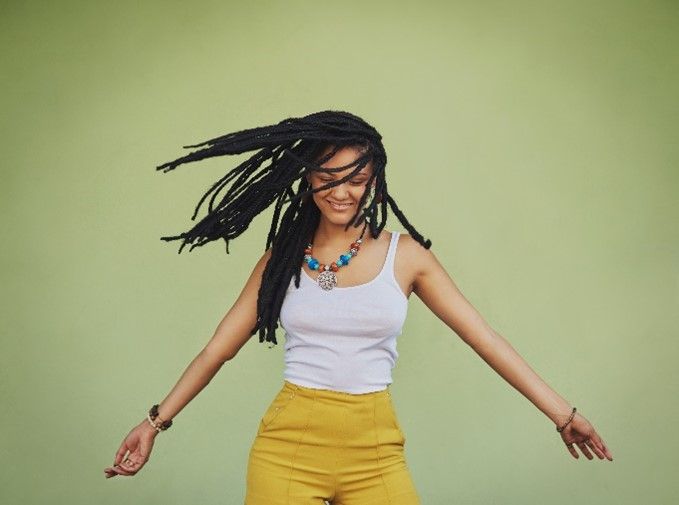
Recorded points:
339,262
345,258
313,264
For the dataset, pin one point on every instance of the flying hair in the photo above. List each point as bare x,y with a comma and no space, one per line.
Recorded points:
286,152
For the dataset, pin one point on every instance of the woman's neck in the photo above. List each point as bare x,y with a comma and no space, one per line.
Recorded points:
334,236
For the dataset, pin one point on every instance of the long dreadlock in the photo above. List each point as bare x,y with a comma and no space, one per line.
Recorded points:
294,148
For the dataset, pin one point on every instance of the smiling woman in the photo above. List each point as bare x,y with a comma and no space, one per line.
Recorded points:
323,153
331,432
343,197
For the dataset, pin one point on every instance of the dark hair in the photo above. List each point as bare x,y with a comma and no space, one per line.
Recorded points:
294,147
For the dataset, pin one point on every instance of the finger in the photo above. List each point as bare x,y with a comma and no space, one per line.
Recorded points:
132,465
114,471
585,450
604,447
572,450
110,472
121,453
595,448
123,471
120,470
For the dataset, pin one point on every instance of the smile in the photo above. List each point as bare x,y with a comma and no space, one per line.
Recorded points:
339,207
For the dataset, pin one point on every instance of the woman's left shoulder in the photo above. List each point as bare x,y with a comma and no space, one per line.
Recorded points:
425,272
410,250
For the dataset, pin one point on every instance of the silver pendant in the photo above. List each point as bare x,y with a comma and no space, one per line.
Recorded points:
327,279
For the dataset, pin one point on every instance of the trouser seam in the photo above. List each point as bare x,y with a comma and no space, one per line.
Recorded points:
340,445
377,449
299,443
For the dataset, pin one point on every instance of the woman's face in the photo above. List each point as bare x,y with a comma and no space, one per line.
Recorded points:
338,204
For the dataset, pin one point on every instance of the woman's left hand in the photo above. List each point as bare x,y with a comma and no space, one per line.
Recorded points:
581,433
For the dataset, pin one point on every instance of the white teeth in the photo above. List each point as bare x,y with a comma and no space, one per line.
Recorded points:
340,206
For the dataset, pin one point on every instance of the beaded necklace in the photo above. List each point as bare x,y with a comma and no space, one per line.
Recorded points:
327,278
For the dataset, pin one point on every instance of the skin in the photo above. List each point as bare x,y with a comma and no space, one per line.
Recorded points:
417,270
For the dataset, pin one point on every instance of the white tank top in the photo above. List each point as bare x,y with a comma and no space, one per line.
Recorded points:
344,339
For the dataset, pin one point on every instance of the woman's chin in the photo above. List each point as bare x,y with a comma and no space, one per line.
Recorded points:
337,218
338,222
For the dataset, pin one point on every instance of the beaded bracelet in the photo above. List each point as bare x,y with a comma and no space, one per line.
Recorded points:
560,429
153,415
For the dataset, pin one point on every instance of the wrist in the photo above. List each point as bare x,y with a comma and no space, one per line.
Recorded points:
565,419
146,426
155,420
559,412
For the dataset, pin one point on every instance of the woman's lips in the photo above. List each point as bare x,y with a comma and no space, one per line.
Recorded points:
339,207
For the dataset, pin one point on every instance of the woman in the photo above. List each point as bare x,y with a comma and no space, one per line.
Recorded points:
331,432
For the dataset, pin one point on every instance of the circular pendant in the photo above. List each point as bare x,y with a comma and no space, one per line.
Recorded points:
327,279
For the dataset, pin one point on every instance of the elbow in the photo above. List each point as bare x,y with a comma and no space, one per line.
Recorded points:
218,356
226,343
482,339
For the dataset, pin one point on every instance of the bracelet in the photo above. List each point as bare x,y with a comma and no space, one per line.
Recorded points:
153,415
560,429
157,428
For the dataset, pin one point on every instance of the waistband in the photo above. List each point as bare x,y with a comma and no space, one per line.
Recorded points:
332,394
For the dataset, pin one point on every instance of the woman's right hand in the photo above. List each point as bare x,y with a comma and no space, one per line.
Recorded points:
580,432
134,452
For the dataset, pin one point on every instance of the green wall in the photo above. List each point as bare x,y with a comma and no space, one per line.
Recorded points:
535,144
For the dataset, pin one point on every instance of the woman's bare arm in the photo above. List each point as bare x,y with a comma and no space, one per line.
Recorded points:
231,334
434,286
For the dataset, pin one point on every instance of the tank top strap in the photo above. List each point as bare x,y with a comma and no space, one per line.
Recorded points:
391,255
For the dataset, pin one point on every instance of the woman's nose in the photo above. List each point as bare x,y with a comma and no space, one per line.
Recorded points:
339,192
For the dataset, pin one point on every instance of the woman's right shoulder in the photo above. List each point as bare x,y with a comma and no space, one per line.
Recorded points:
266,255
263,260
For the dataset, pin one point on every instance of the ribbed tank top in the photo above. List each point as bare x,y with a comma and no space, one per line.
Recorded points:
344,339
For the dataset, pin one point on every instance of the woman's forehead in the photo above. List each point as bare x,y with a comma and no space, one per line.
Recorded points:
345,156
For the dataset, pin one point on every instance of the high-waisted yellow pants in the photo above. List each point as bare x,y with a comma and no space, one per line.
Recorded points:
314,445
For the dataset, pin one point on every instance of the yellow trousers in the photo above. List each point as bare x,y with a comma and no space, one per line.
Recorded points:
317,445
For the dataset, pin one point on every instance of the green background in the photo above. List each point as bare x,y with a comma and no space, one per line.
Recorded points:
535,144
